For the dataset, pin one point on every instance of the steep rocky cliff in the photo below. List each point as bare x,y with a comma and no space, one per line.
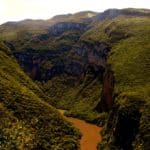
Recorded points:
107,95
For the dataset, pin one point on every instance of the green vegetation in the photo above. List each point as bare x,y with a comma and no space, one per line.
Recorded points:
27,121
79,98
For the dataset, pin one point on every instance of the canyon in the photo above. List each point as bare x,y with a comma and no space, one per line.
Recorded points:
93,65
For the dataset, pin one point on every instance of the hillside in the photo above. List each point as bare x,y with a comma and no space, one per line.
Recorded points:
95,65
27,121
129,60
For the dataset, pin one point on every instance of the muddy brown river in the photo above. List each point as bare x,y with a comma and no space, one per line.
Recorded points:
90,133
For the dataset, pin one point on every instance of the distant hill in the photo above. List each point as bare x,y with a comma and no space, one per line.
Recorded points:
113,13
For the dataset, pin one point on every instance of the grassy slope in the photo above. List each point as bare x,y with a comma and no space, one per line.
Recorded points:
79,98
129,57
27,122
130,60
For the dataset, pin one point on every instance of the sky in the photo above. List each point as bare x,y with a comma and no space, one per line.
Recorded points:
15,10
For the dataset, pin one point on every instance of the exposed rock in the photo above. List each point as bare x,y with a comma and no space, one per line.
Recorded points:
92,53
106,100
126,129
123,123
61,27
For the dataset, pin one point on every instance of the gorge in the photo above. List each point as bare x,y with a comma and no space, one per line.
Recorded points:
96,66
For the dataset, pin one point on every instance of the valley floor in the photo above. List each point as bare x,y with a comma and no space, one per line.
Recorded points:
90,133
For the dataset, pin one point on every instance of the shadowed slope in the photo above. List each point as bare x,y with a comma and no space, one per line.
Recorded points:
27,122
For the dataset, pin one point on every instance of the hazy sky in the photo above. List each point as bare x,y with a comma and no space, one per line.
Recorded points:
14,10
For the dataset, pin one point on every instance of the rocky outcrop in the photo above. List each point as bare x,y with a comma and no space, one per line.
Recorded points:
84,57
61,27
126,129
106,100
91,53
123,122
